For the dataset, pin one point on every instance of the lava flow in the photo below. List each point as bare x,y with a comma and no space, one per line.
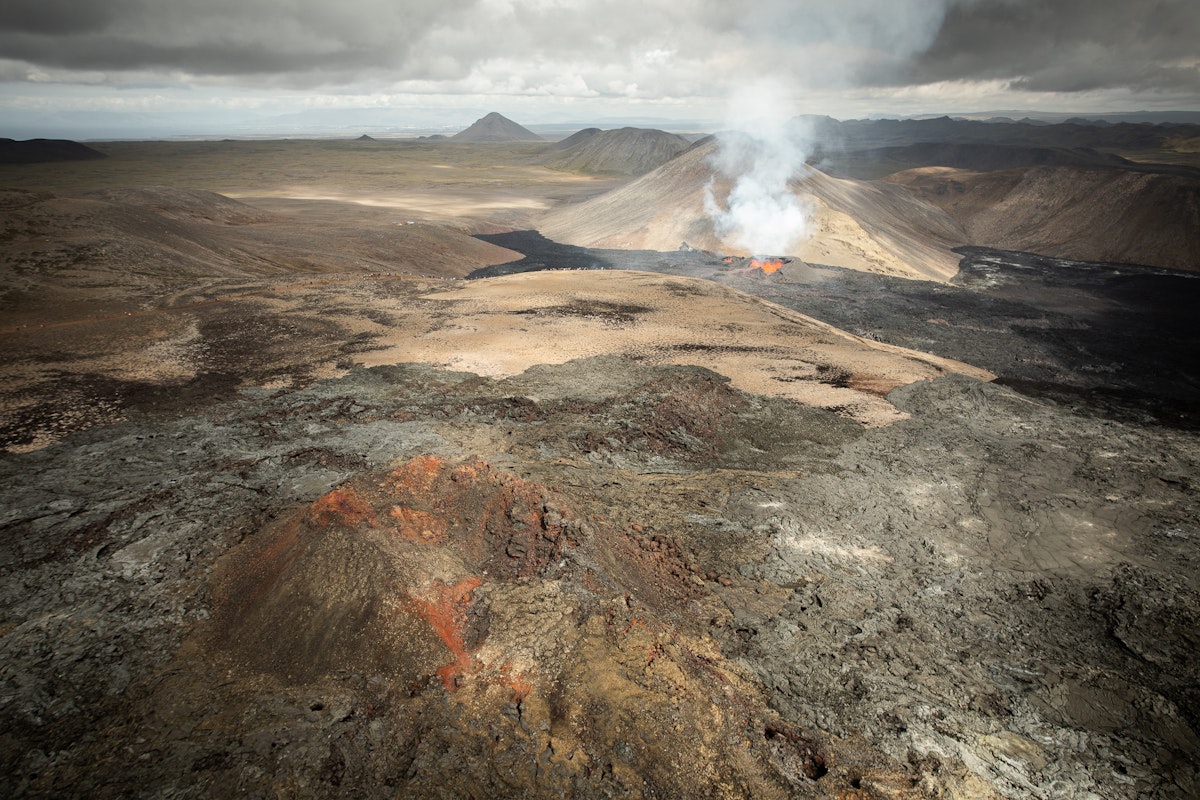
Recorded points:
768,264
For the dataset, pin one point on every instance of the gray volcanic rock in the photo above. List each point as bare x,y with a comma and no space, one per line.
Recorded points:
600,579
590,577
237,559
627,151
495,128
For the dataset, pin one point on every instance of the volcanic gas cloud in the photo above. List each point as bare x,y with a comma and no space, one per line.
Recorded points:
766,151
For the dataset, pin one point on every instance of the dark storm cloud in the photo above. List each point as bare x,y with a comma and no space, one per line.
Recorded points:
206,58
216,37
1065,45
649,48
565,47
57,17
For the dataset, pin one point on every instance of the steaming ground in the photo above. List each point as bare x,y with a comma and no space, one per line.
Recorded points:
906,225
707,547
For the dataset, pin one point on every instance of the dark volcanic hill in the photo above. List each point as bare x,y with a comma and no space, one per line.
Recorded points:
577,138
495,128
626,151
977,156
861,134
33,151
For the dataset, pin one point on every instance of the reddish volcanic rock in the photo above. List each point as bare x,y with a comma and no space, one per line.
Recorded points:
342,506
352,580
446,614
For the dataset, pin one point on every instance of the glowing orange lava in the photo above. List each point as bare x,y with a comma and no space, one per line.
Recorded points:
767,265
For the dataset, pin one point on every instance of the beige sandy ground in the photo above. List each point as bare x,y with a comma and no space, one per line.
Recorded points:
503,326
469,187
284,333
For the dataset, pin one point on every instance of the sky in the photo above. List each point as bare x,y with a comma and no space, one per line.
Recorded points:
210,64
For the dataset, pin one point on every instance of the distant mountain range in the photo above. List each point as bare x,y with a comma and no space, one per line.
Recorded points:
874,148
1050,118
896,132
353,122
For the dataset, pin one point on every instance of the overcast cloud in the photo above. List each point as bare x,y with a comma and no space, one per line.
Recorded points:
661,55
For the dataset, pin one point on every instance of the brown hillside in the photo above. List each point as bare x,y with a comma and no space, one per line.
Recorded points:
117,247
180,204
1087,215
627,151
874,227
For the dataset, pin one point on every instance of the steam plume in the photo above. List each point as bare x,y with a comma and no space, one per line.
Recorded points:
761,156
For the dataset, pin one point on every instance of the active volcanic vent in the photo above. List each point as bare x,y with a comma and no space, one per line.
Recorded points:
768,264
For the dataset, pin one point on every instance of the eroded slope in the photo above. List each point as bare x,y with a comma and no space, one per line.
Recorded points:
1080,214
